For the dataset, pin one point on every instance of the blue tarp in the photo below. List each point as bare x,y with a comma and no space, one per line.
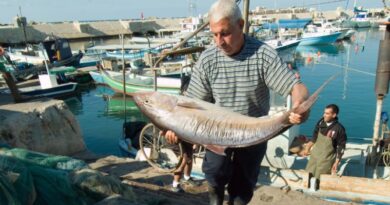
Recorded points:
287,23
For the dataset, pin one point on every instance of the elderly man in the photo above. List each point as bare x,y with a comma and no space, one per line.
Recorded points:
237,73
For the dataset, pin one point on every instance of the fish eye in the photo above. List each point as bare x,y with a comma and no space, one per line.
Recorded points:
146,100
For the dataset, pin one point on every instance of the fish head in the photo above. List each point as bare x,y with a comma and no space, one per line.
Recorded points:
154,104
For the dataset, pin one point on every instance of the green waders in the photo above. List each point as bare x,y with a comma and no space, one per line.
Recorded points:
322,156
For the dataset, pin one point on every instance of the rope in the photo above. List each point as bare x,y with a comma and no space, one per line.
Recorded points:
348,68
386,156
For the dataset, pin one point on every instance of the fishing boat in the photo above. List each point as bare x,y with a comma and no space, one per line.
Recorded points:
280,45
312,36
55,91
325,26
57,51
137,51
136,82
359,20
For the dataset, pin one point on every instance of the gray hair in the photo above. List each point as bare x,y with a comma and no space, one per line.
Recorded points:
225,9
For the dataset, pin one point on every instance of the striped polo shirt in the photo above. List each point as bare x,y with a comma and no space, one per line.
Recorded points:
241,82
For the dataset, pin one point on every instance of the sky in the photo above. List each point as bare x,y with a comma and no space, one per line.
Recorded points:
84,10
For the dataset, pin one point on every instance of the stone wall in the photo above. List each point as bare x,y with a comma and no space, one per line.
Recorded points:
46,126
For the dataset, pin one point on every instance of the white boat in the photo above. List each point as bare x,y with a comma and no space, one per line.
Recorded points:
360,19
29,55
153,40
328,27
282,44
312,36
136,82
58,90
56,51
47,87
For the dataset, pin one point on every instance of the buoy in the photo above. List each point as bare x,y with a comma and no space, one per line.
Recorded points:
308,60
356,48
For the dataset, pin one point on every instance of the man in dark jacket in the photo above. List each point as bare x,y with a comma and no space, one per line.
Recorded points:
329,139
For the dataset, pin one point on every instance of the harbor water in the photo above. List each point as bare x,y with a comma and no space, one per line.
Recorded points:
101,116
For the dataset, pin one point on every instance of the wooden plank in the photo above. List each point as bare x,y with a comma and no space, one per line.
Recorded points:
355,185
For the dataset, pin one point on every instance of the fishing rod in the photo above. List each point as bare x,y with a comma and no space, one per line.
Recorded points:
347,68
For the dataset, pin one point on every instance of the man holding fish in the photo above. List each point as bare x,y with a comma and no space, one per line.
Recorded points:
237,73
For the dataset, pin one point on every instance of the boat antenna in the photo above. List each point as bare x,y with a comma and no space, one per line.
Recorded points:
23,23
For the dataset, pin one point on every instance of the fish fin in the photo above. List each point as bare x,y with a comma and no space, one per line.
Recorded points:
220,150
188,104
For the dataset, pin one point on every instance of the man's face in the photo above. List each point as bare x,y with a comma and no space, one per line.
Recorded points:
329,115
228,36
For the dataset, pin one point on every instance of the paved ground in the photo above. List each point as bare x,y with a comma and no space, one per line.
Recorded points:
153,187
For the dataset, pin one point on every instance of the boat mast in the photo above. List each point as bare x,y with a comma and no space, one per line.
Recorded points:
246,16
122,39
382,81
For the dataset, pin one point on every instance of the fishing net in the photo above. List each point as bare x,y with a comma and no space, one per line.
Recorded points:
28,177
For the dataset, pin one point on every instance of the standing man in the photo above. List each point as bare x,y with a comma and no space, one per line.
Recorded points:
183,173
237,73
329,139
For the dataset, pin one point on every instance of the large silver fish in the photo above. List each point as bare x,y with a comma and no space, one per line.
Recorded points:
214,127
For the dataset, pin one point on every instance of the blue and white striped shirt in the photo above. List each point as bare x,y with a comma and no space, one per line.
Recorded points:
241,82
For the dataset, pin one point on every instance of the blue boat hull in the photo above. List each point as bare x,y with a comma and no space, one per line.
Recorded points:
325,39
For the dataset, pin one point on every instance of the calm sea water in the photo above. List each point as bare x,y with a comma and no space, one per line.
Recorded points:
101,116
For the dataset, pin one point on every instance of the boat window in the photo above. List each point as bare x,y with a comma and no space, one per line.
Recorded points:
361,16
65,45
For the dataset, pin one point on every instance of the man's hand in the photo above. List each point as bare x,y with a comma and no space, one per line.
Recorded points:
170,136
306,152
298,118
307,148
335,166
299,94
